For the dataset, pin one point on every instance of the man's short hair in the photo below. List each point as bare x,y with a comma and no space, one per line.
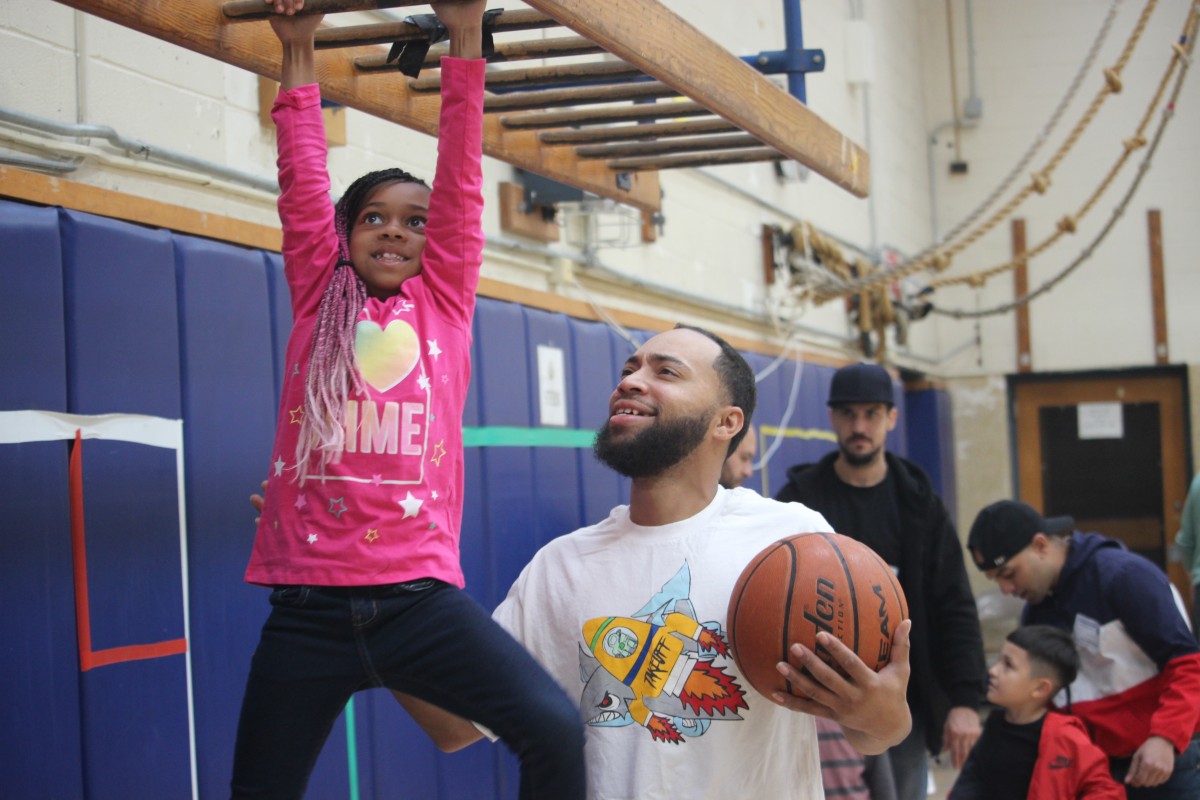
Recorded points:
736,377
1050,649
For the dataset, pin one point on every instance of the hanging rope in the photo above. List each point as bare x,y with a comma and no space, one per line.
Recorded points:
1070,223
1019,169
941,257
1183,56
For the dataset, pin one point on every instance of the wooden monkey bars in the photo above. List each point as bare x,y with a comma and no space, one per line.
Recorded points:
653,82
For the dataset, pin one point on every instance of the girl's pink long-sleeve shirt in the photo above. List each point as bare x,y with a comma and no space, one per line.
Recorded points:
388,509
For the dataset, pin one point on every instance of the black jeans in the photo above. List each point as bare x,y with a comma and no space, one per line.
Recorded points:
426,639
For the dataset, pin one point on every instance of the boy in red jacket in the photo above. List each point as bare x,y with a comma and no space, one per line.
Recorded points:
1025,751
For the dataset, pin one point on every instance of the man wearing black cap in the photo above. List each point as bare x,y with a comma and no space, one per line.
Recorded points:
888,503
1138,688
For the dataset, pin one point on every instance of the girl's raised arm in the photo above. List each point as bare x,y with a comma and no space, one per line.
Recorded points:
296,36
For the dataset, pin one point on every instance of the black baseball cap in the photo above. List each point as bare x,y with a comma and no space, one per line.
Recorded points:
1005,528
861,383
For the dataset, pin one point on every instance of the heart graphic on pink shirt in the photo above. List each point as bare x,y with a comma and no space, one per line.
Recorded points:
385,355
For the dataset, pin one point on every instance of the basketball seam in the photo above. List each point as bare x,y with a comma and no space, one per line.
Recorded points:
849,582
731,623
787,606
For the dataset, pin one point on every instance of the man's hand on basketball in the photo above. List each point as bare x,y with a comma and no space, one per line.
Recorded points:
870,706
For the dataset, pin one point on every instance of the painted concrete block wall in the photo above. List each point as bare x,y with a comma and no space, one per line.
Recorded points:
1027,55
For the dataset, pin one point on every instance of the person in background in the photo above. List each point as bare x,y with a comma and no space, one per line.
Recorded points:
1027,749
889,504
1187,541
1138,689
847,773
738,468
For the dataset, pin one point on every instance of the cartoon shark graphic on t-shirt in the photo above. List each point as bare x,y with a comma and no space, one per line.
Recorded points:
658,668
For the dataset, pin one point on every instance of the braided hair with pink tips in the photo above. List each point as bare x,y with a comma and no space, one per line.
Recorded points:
333,366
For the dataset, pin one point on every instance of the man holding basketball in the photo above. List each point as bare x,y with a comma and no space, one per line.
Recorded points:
629,614
889,504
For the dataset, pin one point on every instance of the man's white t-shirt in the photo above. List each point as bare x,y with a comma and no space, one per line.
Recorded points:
620,614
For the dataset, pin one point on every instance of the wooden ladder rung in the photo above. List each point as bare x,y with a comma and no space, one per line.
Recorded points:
695,160
390,32
555,75
625,133
249,10
673,145
588,95
509,51
560,119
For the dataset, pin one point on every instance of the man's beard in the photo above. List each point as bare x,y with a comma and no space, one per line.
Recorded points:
659,447
857,459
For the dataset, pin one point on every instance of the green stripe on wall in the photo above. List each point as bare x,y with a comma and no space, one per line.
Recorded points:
512,436
352,749
502,436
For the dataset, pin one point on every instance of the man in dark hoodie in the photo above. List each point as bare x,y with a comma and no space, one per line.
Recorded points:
889,504
1138,689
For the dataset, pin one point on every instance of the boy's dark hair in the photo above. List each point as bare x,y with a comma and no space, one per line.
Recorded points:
1051,648
737,378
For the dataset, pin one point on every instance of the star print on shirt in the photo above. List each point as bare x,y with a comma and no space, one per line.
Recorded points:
372,534
312,538
411,506
434,494
438,452
297,415
296,368
301,500
337,506
279,466
402,307
423,382
376,479
434,350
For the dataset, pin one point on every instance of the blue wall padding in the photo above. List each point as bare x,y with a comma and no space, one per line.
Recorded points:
808,413
33,359
555,469
122,321
281,314
123,357
931,440
136,742
229,390
598,356
38,655
101,316
501,369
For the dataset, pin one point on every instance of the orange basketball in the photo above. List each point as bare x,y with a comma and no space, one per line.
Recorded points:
804,584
